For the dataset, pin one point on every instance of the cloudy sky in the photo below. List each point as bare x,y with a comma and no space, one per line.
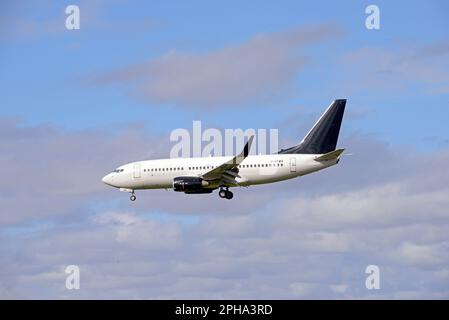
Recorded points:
76,104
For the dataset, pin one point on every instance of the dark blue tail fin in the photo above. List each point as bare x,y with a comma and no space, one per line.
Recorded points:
323,137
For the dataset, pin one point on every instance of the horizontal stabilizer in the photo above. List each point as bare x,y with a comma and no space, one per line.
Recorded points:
330,155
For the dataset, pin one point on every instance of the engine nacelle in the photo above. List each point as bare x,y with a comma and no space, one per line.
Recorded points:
190,185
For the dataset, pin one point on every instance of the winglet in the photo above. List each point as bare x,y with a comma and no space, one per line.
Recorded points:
245,152
222,170
247,146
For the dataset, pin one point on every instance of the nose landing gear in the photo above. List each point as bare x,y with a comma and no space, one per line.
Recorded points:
133,196
225,193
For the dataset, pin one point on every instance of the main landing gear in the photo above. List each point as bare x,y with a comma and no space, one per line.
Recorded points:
133,196
225,193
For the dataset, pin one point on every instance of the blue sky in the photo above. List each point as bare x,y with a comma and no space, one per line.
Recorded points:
75,104
54,67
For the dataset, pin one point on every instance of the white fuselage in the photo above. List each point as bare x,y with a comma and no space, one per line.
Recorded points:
255,169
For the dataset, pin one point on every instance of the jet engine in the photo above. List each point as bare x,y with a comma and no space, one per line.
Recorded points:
190,185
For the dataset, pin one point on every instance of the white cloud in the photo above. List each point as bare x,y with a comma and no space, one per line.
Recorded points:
313,239
133,231
423,255
254,71
300,289
339,288
65,168
373,207
399,69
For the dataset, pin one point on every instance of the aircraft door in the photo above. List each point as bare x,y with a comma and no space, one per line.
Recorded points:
136,170
292,164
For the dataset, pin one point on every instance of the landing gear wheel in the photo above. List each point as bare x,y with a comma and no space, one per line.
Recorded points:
132,198
225,193
222,193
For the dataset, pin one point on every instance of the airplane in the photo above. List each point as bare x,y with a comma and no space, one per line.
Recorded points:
201,175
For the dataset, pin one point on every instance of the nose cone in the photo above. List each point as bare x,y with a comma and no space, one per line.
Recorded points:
107,179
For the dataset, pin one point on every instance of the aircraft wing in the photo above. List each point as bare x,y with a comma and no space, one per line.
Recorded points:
228,171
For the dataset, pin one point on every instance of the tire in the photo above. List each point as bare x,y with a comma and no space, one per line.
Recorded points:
132,198
229,195
222,193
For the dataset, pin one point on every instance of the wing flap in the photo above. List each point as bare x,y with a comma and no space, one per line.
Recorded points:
228,180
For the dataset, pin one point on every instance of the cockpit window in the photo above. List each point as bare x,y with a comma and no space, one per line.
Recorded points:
117,170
